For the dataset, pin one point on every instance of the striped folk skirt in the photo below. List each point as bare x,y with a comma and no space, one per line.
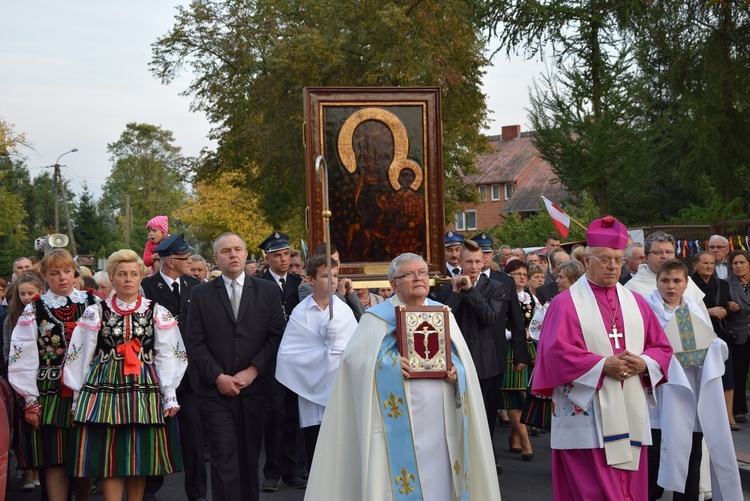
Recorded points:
104,451
516,382
47,446
120,426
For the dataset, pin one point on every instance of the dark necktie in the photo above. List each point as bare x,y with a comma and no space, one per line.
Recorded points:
283,286
456,271
176,289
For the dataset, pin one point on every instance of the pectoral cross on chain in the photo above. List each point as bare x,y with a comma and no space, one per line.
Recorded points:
616,336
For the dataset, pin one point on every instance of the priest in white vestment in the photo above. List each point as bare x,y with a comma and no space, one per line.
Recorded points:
310,351
429,438
660,246
691,403
601,351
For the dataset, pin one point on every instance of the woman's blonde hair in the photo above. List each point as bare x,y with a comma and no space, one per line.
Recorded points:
57,258
123,256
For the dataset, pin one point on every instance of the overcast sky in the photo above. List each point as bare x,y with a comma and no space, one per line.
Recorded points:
73,74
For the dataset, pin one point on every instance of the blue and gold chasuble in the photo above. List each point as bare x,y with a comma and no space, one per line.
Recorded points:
396,419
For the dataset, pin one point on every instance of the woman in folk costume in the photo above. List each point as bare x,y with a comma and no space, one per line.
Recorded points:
35,370
124,362
514,388
601,351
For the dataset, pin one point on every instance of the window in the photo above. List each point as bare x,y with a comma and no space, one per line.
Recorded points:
495,192
466,220
482,190
508,190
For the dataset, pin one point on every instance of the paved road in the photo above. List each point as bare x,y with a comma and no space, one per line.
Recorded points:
520,481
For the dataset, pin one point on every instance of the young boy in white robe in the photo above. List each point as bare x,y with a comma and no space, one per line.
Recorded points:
690,402
310,351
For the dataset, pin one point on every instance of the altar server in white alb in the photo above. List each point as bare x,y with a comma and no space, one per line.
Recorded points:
691,405
311,348
601,351
386,436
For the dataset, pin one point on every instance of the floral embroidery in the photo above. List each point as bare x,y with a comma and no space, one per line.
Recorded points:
73,353
90,319
53,301
527,307
168,400
17,350
179,353
568,407
27,316
165,318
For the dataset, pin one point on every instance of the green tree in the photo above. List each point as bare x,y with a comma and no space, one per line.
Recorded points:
90,226
148,168
251,61
10,140
694,67
585,113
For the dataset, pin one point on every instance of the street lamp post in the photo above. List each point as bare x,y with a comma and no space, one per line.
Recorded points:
57,190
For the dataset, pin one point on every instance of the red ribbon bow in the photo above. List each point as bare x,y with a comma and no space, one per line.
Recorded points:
130,351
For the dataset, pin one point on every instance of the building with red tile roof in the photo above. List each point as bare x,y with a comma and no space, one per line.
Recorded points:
512,178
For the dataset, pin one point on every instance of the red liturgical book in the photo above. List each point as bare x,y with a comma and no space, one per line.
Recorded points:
423,334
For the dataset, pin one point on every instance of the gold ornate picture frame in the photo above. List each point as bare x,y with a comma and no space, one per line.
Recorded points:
384,154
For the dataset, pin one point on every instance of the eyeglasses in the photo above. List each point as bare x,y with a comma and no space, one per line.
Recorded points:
414,275
606,262
661,253
717,247
518,274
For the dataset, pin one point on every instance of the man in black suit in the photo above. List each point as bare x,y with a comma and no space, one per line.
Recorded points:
546,292
171,287
453,245
482,308
235,324
283,439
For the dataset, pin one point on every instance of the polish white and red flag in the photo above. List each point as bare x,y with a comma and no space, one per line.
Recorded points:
559,218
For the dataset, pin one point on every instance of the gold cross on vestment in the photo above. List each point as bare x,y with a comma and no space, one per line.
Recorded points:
616,336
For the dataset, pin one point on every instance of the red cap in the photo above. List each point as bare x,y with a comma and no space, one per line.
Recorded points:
607,232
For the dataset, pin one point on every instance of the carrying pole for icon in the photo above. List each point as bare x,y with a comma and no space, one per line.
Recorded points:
321,170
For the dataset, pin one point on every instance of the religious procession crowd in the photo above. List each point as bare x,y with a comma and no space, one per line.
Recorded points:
624,355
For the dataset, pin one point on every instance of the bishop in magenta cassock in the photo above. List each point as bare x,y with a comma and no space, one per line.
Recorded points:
601,352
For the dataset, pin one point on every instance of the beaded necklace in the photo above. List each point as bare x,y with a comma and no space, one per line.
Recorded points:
64,316
126,313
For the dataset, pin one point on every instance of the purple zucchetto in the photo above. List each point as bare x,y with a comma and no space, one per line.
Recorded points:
607,232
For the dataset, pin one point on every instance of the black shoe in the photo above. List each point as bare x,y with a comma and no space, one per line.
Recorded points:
270,485
304,473
527,457
516,450
740,418
295,482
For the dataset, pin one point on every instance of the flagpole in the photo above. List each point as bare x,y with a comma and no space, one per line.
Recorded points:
545,201
576,222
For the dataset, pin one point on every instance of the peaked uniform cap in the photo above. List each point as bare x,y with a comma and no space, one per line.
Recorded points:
276,242
484,241
173,244
453,239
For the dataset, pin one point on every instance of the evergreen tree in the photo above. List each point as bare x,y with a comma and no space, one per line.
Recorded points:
89,225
